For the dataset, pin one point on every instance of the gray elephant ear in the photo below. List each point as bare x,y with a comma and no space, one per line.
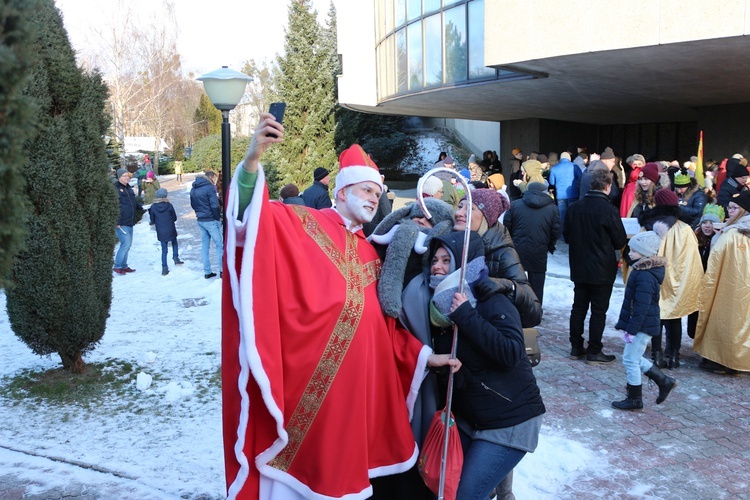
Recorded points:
394,267
392,219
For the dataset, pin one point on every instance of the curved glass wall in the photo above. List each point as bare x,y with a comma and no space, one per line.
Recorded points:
425,44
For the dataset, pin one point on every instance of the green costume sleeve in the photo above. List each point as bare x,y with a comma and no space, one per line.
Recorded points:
246,182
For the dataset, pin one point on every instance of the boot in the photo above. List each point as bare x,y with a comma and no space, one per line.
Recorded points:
634,400
665,383
657,357
178,261
675,359
667,360
164,270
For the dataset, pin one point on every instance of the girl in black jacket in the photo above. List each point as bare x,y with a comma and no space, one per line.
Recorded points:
164,217
496,399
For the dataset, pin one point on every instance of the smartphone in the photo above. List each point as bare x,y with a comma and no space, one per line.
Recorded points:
277,110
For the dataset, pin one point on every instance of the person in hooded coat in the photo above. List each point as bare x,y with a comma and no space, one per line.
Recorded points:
534,224
496,401
163,217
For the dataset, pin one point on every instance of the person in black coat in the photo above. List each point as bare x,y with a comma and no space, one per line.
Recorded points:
205,202
316,196
640,320
534,224
692,199
496,400
129,207
734,183
163,217
594,231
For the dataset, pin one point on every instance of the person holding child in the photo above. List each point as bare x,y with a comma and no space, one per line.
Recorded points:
163,216
640,320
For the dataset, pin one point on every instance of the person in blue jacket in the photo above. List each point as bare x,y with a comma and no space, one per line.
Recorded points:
163,217
205,202
640,320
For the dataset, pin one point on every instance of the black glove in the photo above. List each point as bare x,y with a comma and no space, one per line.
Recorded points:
491,286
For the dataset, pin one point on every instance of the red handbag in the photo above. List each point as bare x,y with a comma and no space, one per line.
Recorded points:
431,455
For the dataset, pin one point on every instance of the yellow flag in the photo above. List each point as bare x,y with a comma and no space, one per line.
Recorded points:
699,163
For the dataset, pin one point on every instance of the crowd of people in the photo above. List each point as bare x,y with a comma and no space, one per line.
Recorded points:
341,324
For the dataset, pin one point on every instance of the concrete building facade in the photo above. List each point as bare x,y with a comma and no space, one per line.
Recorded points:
637,75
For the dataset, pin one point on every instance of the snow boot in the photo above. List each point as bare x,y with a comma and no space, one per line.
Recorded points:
164,270
665,383
675,359
657,357
178,261
634,400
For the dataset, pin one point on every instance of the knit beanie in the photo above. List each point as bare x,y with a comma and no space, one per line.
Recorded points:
431,186
565,156
646,243
491,203
714,213
122,171
542,159
465,174
537,186
320,173
651,172
161,193
498,181
681,180
735,168
666,197
742,199
608,154
150,174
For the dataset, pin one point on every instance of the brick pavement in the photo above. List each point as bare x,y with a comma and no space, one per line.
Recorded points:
694,445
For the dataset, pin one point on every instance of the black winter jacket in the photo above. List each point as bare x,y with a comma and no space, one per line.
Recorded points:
503,262
128,204
640,307
316,196
534,224
495,387
594,231
728,189
691,209
163,217
204,200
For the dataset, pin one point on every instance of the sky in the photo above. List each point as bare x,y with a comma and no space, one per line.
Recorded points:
211,34
165,442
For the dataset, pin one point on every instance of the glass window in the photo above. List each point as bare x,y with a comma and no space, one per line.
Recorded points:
431,6
456,52
415,56
413,9
433,51
400,13
402,68
477,68
379,71
388,8
379,19
390,65
446,3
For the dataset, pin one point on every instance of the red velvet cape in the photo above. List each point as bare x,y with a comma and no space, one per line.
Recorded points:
317,383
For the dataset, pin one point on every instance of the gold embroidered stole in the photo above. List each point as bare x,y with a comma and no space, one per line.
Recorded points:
358,276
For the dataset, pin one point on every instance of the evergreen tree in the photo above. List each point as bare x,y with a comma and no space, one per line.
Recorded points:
207,118
17,119
305,83
63,280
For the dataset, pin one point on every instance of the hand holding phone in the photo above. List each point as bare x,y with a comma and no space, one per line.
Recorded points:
277,110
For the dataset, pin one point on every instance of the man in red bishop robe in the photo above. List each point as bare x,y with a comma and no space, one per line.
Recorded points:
317,383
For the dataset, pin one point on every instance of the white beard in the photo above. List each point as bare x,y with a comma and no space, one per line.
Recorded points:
356,207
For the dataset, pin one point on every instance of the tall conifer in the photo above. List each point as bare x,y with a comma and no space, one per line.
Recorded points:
17,117
305,83
63,280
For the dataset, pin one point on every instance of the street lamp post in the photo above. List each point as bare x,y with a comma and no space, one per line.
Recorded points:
225,87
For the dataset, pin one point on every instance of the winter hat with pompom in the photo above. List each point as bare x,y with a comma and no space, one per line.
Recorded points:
491,203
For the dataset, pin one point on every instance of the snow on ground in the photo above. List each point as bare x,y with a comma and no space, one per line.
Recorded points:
166,441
